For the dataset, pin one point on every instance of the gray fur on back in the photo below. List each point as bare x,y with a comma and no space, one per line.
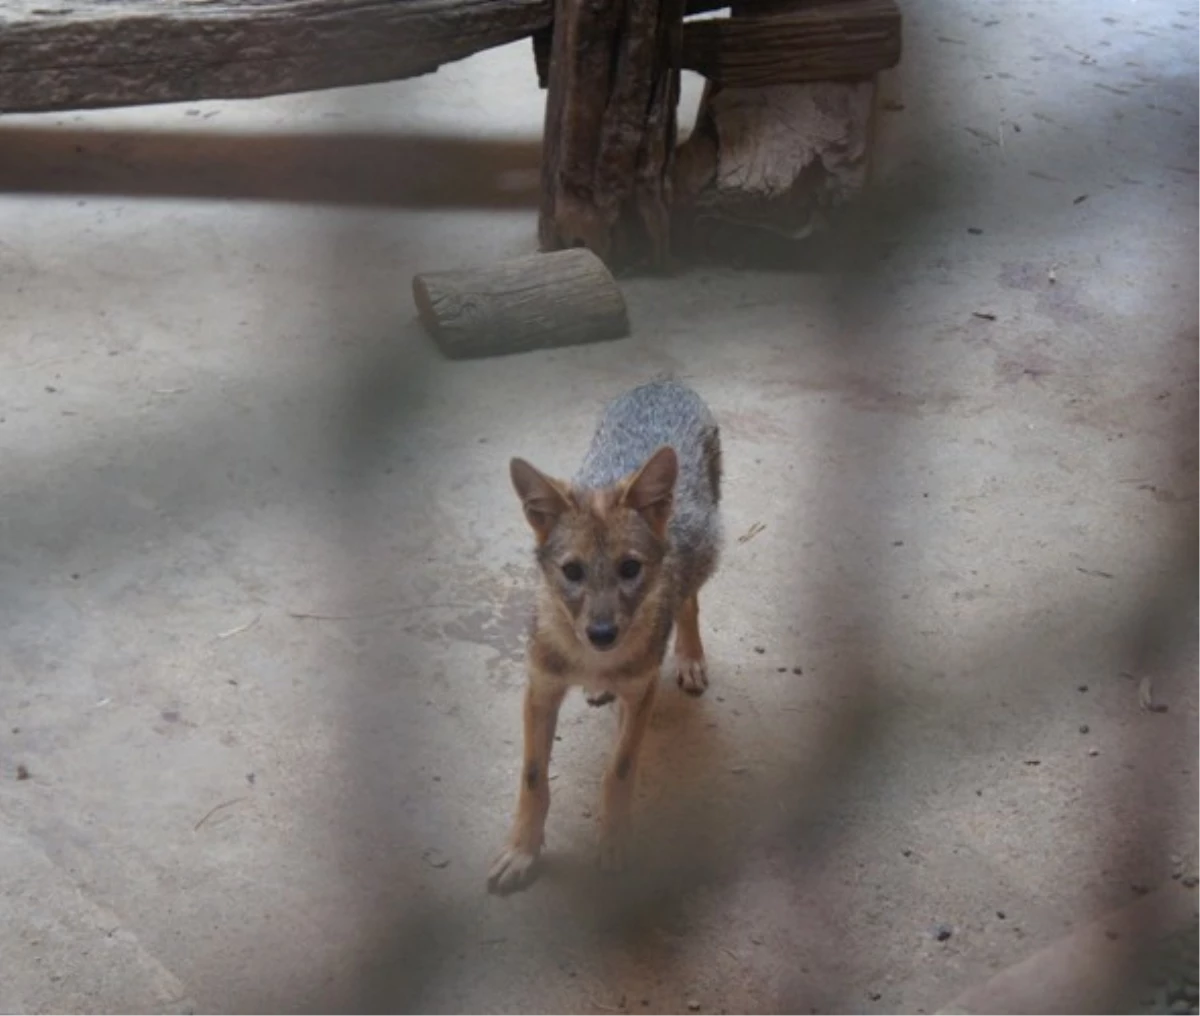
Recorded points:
632,427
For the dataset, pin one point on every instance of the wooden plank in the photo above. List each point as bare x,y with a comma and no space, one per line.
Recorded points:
609,138
826,42
79,54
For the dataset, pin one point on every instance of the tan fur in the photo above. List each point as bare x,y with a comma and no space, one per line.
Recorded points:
596,530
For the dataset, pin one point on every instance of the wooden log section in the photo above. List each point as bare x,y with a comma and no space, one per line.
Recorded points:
79,54
536,302
781,159
829,42
609,137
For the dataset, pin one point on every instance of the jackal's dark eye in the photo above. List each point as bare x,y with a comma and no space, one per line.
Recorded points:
573,571
629,569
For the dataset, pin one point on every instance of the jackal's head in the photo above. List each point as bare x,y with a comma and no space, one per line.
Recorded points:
601,551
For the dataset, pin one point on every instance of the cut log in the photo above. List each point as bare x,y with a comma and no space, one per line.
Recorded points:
609,136
536,302
828,42
78,54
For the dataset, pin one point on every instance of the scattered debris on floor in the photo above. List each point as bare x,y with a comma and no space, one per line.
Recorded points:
1171,976
1146,697
216,808
435,858
752,532
240,628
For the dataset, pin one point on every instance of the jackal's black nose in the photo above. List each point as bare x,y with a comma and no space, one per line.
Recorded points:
602,635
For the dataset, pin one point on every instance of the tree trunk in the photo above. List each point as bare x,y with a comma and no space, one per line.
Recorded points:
534,302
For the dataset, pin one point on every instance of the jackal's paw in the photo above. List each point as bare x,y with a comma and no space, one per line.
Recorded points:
612,853
514,869
691,675
600,698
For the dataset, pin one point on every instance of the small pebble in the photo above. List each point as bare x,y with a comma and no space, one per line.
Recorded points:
942,932
975,231
693,1005
1093,752
22,772
1083,687
781,670
1000,914
1191,881
874,996
1084,728
760,650
797,670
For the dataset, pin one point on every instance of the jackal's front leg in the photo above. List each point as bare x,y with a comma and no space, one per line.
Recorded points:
619,780
514,867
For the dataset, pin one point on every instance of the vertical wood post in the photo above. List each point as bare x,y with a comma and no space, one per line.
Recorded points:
610,128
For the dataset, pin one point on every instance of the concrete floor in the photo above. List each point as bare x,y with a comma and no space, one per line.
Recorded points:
218,414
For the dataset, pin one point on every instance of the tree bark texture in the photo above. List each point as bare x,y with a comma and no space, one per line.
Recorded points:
780,158
536,302
78,54
610,128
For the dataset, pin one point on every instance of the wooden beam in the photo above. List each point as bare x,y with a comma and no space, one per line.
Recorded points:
609,138
79,54
826,42
534,302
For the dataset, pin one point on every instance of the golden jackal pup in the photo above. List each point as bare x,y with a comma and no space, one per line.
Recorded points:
623,550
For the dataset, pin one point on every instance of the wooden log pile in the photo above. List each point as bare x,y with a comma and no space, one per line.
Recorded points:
782,139
783,136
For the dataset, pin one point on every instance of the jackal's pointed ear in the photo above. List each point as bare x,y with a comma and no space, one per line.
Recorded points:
651,490
543,499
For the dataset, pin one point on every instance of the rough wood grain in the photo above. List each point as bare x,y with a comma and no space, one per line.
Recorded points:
779,159
610,128
77,54
826,42
543,300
